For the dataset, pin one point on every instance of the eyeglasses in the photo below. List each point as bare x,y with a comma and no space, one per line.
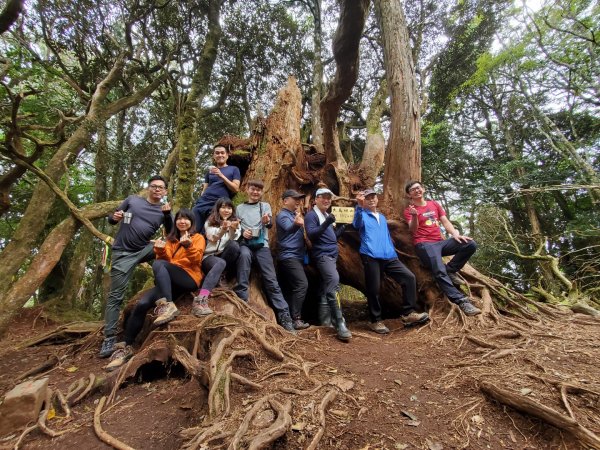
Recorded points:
156,187
412,189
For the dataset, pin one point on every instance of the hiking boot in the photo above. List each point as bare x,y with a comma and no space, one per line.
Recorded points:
469,309
286,322
122,354
299,324
456,279
324,313
108,347
166,311
337,318
200,306
379,327
415,318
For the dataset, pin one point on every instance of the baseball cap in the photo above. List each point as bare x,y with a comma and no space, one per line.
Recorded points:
368,192
323,191
291,193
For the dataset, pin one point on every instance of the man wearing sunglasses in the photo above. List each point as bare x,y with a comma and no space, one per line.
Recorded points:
140,218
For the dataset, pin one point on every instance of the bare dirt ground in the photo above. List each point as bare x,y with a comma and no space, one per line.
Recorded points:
415,388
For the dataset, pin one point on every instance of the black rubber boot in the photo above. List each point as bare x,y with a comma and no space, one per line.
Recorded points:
343,333
324,312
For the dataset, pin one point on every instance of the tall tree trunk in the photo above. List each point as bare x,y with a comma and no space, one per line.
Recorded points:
374,153
317,79
353,15
44,261
76,270
187,140
403,158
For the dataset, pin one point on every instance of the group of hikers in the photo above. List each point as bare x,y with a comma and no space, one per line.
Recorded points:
202,246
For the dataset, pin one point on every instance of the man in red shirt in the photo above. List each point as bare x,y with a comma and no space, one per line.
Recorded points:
424,218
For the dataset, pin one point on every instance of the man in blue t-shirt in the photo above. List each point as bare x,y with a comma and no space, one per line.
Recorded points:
221,180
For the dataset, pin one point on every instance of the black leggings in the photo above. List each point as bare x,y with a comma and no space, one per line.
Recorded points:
171,281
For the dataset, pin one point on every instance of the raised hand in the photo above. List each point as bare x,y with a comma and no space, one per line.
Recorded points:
118,215
185,240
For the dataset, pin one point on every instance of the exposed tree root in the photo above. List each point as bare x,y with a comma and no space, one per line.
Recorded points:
536,409
103,435
329,397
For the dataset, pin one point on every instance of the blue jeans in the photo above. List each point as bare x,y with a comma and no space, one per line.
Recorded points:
264,260
430,254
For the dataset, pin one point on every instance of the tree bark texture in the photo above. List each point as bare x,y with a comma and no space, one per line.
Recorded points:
403,156
317,87
353,15
374,153
187,142
44,261
10,14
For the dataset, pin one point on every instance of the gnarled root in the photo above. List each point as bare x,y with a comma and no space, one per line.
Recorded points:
549,415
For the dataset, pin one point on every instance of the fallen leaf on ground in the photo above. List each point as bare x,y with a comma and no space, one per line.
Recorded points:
340,413
408,414
299,426
413,423
434,445
477,419
343,383
72,369
398,382
526,391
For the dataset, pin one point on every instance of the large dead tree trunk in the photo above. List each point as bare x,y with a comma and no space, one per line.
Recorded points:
403,158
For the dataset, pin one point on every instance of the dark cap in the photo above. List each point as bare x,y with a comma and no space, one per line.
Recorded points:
292,193
368,192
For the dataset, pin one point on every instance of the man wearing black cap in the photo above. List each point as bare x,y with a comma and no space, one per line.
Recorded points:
290,258
379,257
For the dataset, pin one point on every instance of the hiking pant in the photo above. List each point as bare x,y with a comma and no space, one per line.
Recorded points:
330,279
293,284
214,265
264,260
168,275
122,266
374,269
430,254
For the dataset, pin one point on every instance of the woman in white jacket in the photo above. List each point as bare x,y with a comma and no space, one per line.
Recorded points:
222,230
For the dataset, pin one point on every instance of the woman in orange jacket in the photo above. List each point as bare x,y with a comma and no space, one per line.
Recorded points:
176,271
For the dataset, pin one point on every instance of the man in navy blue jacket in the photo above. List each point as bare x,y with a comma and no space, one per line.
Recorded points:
290,255
379,257
324,252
